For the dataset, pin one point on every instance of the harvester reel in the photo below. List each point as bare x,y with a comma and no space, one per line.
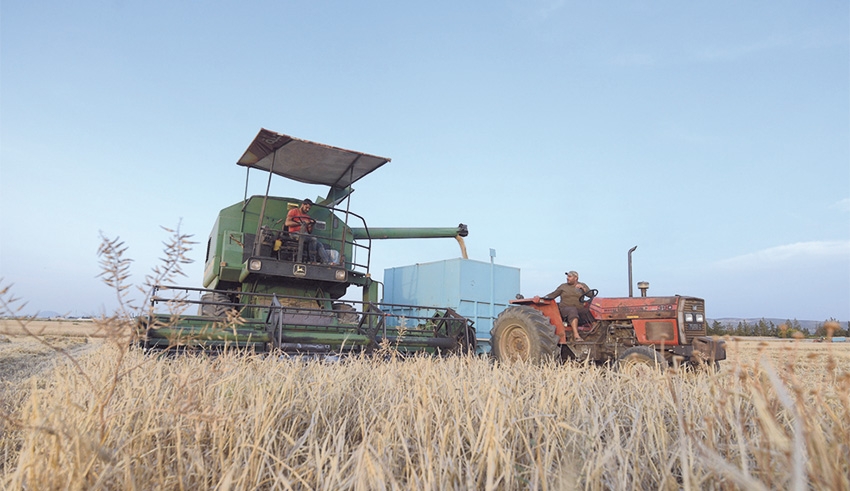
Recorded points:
466,342
449,324
522,333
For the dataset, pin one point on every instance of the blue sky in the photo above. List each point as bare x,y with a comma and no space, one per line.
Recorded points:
714,136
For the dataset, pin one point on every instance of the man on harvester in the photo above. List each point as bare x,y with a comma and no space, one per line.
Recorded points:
570,305
298,221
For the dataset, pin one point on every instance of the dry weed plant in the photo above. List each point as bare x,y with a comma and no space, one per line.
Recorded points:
116,328
120,419
390,350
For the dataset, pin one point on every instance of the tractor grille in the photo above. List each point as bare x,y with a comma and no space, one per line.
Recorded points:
694,329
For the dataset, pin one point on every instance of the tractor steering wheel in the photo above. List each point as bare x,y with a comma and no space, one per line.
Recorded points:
588,295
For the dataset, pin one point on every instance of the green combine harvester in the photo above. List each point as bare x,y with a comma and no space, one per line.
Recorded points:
263,290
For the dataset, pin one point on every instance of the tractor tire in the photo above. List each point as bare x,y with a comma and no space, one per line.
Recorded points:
640,358
523,334
699,363
208,307
706,366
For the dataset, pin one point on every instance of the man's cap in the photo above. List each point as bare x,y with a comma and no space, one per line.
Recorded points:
571,273
307,202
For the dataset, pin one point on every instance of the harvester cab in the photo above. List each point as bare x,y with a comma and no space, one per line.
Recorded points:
622,330
284,287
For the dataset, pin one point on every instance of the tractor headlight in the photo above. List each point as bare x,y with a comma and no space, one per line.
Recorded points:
689,317
700,318
255,264
340,275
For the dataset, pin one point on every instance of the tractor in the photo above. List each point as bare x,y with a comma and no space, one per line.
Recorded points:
624,331
263,291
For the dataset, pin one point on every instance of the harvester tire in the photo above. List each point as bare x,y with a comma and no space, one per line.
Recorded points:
209,307
346,314
523,334
640,357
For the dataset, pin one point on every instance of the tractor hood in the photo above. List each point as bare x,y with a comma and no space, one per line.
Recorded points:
308,162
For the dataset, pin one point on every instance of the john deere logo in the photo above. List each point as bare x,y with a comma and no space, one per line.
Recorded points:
299,270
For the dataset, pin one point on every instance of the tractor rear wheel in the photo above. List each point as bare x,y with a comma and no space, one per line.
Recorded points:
640,358
523,333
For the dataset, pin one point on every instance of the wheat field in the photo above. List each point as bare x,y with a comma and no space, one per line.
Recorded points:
776,416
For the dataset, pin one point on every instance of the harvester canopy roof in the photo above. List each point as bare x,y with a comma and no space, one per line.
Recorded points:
308,162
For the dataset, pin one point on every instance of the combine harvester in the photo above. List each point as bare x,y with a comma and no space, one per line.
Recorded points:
262,289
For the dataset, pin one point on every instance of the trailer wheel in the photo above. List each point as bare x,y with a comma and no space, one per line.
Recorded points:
523,333
640,358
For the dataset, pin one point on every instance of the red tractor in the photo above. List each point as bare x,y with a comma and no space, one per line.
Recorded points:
625,330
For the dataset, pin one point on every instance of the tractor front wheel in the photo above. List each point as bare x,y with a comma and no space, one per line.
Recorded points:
523,333
640,358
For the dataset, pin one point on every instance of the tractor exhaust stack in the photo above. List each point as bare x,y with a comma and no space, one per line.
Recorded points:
630,271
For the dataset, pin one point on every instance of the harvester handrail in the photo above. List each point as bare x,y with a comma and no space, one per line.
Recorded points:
351,262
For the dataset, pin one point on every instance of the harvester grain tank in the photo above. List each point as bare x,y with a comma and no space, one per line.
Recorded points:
263,290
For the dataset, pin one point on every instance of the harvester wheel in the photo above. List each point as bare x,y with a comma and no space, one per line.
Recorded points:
523,333
209,305
346,314
640,357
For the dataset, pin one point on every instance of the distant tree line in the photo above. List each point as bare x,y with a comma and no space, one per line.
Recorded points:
787,329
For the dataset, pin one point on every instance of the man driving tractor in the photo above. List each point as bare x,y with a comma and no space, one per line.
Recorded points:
570,305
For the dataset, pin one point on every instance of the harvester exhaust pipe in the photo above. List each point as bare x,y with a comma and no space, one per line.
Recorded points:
631,294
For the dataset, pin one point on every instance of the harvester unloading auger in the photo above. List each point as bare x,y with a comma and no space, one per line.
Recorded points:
262,290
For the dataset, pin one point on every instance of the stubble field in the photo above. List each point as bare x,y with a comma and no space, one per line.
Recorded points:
83,412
